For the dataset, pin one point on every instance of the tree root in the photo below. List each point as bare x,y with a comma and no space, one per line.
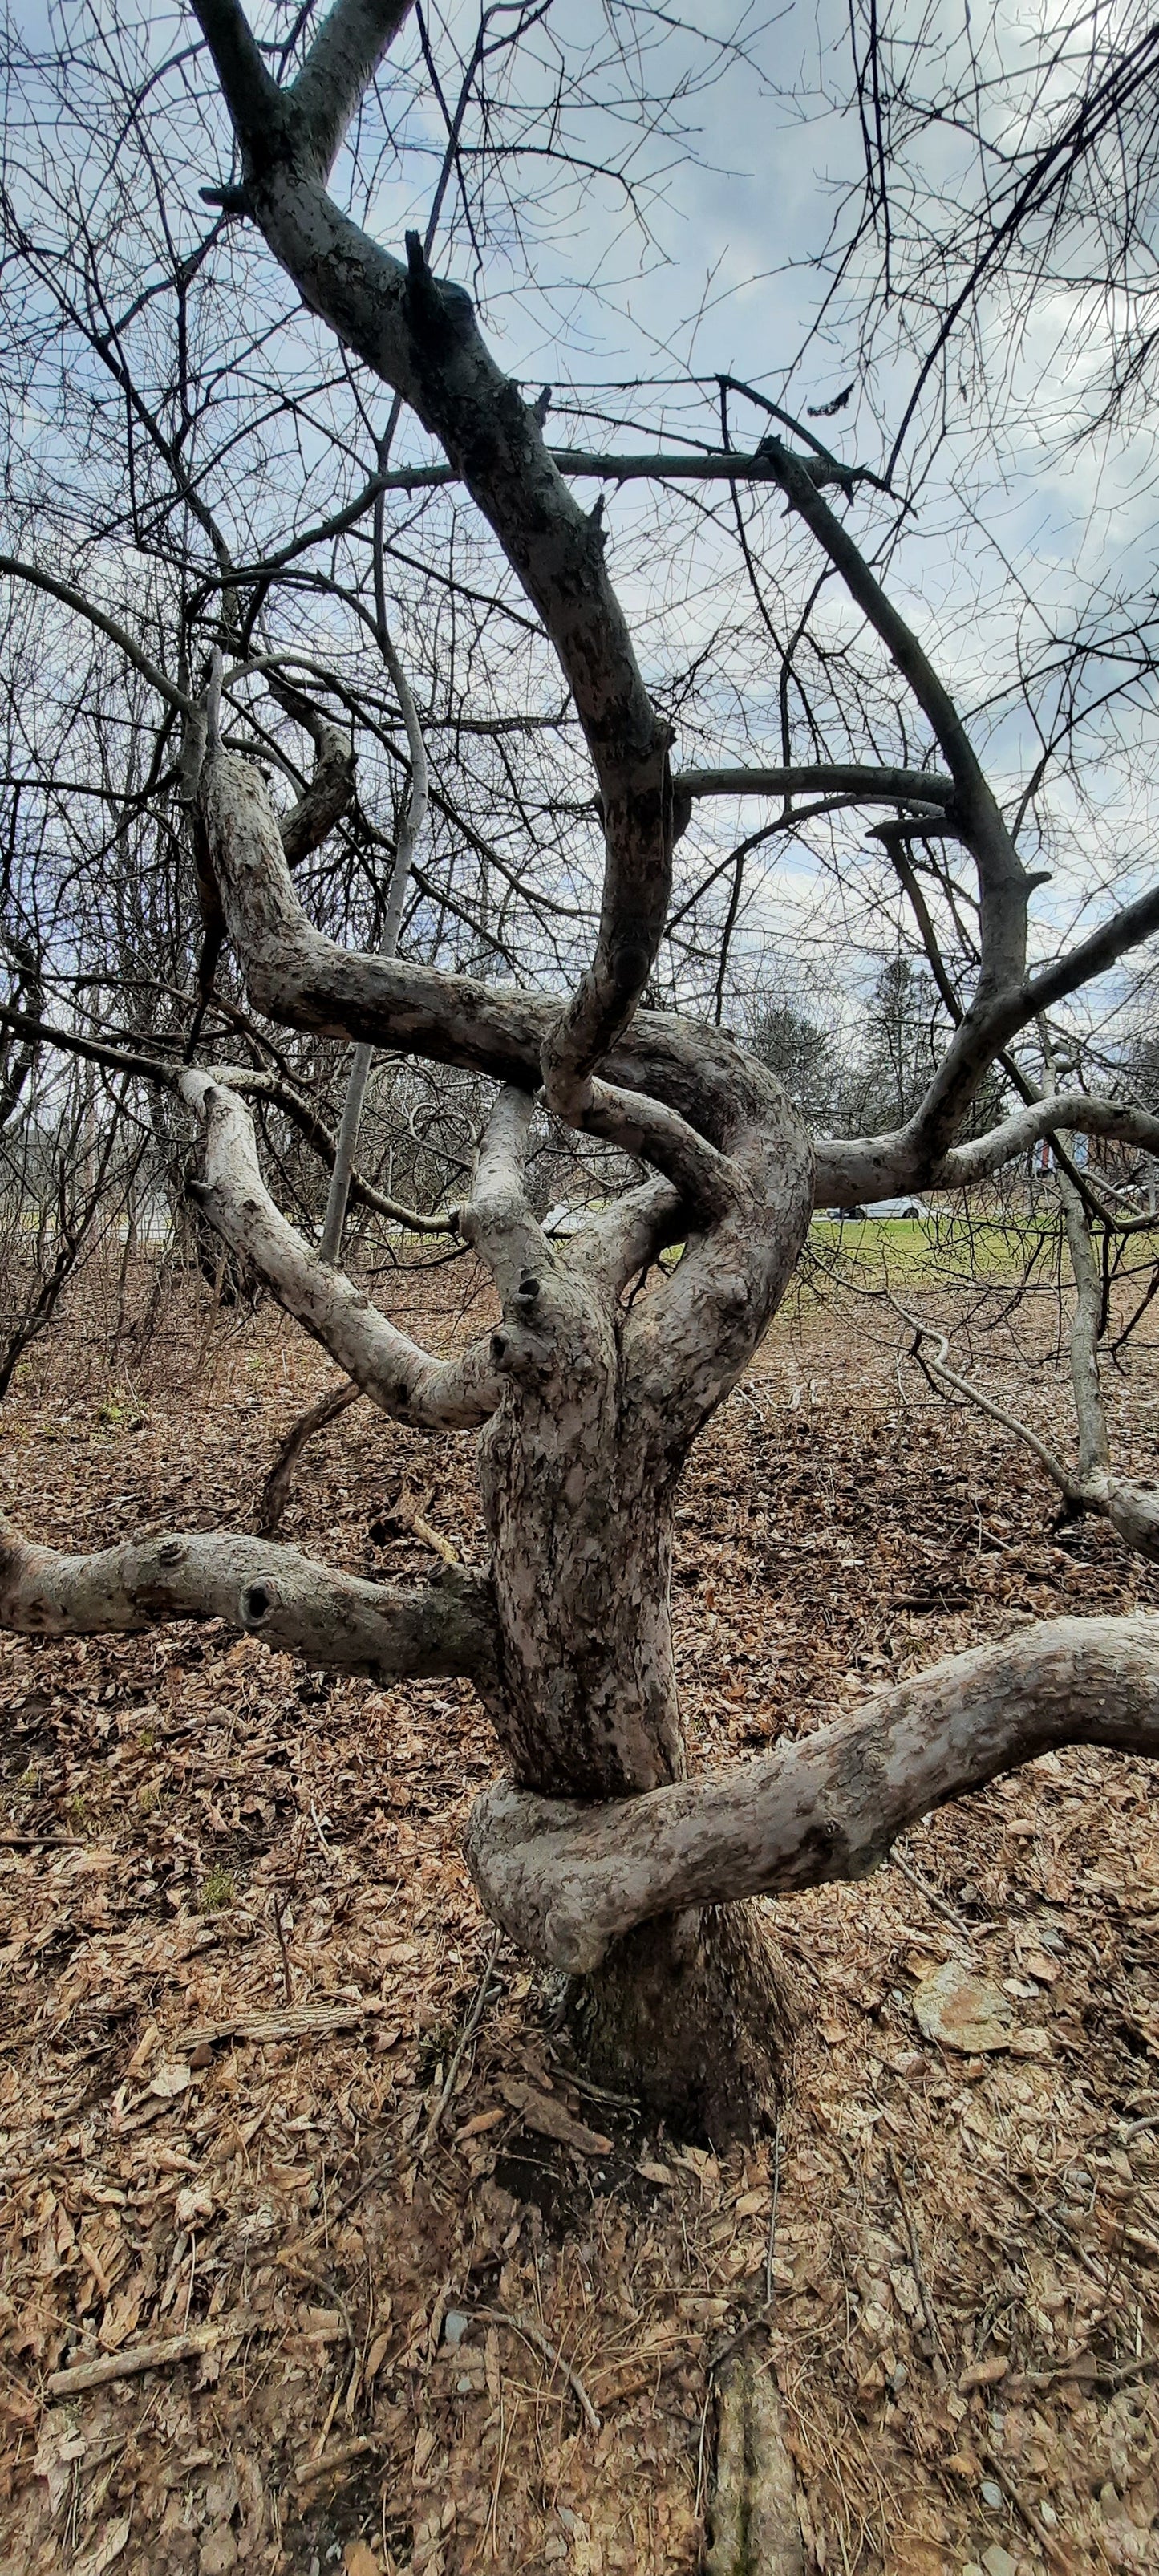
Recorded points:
753,2524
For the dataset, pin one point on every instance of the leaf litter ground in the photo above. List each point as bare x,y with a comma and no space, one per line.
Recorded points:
241,1953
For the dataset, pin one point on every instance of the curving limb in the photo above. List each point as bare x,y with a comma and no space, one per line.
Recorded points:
852,1169
937,1369
706,1179
622,1240
402,1379
1005,998
670,1091
1077,1112
420,336
302,978
261,1085
322,804
686,1345
568,1880
1092,1484
1003,882
267,1591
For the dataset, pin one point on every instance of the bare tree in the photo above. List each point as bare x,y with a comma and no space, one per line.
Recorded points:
596,1852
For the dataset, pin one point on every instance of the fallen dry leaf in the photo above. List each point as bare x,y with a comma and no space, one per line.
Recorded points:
984,2374
549,2119
108,2548
963,2011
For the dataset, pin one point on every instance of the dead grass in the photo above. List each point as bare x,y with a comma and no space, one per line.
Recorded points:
198,1832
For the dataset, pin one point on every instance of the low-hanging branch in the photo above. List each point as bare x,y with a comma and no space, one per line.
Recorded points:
297,1606
566,1880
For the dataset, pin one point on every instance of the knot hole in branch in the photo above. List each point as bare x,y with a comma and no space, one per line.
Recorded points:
442,315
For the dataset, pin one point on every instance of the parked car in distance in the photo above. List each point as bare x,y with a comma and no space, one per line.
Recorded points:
913,1208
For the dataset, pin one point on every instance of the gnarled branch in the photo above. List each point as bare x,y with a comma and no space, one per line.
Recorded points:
567,1880
322,804
297,1606
442,1395
420,336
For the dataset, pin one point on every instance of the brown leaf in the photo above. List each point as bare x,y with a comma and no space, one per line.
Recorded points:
984,2374
549,2119
962,2011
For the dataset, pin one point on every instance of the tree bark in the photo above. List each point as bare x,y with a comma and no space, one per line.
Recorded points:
579,1466
273,1592
695,2014
568,1880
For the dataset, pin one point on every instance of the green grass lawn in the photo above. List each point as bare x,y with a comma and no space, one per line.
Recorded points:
948,1247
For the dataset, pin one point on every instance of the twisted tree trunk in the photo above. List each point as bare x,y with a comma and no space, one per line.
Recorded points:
579,1466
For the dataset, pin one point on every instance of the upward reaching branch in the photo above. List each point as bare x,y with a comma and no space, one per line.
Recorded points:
420,335
342,61
442,1395
1001,874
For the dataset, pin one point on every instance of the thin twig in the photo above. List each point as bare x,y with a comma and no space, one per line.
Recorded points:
776,2194
1097,2273
303,2021
432,1538
338,2458
277,1487
287,1971
466,2035
42,1842
532,2334
938,1370
1025,2511
150,2356
929,2312
931,1895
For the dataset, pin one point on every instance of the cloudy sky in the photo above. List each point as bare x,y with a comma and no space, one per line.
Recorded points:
704,255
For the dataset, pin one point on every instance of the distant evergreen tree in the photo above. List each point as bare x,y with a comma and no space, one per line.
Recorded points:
803,1056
